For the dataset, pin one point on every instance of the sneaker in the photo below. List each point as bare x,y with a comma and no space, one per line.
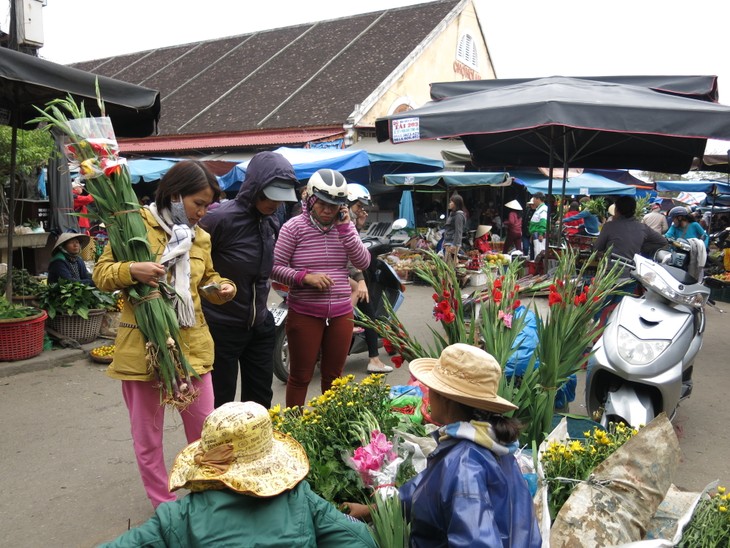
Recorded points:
379,369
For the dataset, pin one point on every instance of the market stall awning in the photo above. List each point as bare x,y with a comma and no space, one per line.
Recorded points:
450,178
587,184
305,161
145,170
29,82
706,186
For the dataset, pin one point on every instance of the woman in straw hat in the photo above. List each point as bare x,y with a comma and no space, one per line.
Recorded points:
246,490
513,225
66,262
472,493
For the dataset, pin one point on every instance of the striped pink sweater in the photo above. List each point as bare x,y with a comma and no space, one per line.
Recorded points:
302,248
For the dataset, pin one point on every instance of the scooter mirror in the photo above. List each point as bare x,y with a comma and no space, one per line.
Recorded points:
400,224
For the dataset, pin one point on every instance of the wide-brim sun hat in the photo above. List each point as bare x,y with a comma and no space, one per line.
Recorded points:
83,239
514,204
482,230
239,450
466,374
281,190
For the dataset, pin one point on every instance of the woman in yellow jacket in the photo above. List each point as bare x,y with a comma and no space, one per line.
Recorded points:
183,251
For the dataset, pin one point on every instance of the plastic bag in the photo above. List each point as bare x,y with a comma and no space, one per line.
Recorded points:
409,406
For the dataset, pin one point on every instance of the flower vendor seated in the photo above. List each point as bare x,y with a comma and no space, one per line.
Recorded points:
66,262
472,492
481,238
247,489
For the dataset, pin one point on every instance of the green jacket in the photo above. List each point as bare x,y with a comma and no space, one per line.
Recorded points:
296,518
538,221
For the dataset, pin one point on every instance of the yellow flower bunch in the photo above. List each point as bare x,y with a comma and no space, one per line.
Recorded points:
335,424
710,523
565,464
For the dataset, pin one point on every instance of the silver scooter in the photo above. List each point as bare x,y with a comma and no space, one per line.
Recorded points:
642,364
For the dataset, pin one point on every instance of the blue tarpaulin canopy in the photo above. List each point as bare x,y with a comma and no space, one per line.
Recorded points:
146,170
706,186
305,161
450,178
590,184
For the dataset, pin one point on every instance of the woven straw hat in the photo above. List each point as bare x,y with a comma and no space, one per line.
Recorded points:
466,374
482,230
514,204
240,450
66,236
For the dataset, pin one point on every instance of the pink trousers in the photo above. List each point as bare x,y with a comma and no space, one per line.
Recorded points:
147,419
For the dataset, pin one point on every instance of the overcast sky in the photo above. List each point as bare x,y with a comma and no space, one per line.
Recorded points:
526,38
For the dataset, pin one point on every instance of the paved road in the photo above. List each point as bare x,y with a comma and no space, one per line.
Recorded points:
70,478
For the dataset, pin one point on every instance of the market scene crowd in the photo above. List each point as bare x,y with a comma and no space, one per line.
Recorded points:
480,447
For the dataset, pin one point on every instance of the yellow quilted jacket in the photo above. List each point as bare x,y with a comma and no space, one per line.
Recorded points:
197,344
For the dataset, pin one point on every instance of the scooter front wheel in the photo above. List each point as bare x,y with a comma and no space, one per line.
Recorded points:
281,354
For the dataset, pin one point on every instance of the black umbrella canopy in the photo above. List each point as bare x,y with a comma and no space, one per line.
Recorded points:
569,122
703,88
29,82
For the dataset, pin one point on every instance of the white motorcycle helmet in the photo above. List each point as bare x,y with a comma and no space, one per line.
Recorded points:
358,193
329,186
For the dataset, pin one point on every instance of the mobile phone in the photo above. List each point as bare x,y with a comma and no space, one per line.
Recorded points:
342,215
210,288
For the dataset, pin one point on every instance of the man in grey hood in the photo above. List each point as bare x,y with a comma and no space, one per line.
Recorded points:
243,233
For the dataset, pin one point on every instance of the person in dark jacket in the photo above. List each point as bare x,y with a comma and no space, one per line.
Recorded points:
66,262
243,232
472,492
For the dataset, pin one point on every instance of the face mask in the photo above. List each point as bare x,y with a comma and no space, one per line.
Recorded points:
177,211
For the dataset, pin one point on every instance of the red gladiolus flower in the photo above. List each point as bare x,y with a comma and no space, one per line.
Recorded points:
596,298
449,317
586,288
112,169
435,297
388,346
446,294
552,288
517,288
498,283
516,304
443,307
561,283
497,295
397,361
554,298
582,298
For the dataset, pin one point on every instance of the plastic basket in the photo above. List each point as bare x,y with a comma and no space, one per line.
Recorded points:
22,338
75,327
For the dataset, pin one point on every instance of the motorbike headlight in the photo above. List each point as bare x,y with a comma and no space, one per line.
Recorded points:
637,351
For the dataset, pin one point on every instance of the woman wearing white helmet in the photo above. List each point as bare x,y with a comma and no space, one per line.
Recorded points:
358,197
311,257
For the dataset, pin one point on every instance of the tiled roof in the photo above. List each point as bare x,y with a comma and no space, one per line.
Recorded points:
300,76
220,141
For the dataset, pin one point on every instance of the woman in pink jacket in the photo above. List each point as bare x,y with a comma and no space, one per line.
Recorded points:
311,257
513,226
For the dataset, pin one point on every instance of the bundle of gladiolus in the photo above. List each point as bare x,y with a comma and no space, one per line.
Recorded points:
92,147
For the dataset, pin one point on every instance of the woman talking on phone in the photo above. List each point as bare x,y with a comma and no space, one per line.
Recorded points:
311,257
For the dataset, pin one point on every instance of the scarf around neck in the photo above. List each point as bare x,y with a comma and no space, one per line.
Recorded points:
176,259
478,432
